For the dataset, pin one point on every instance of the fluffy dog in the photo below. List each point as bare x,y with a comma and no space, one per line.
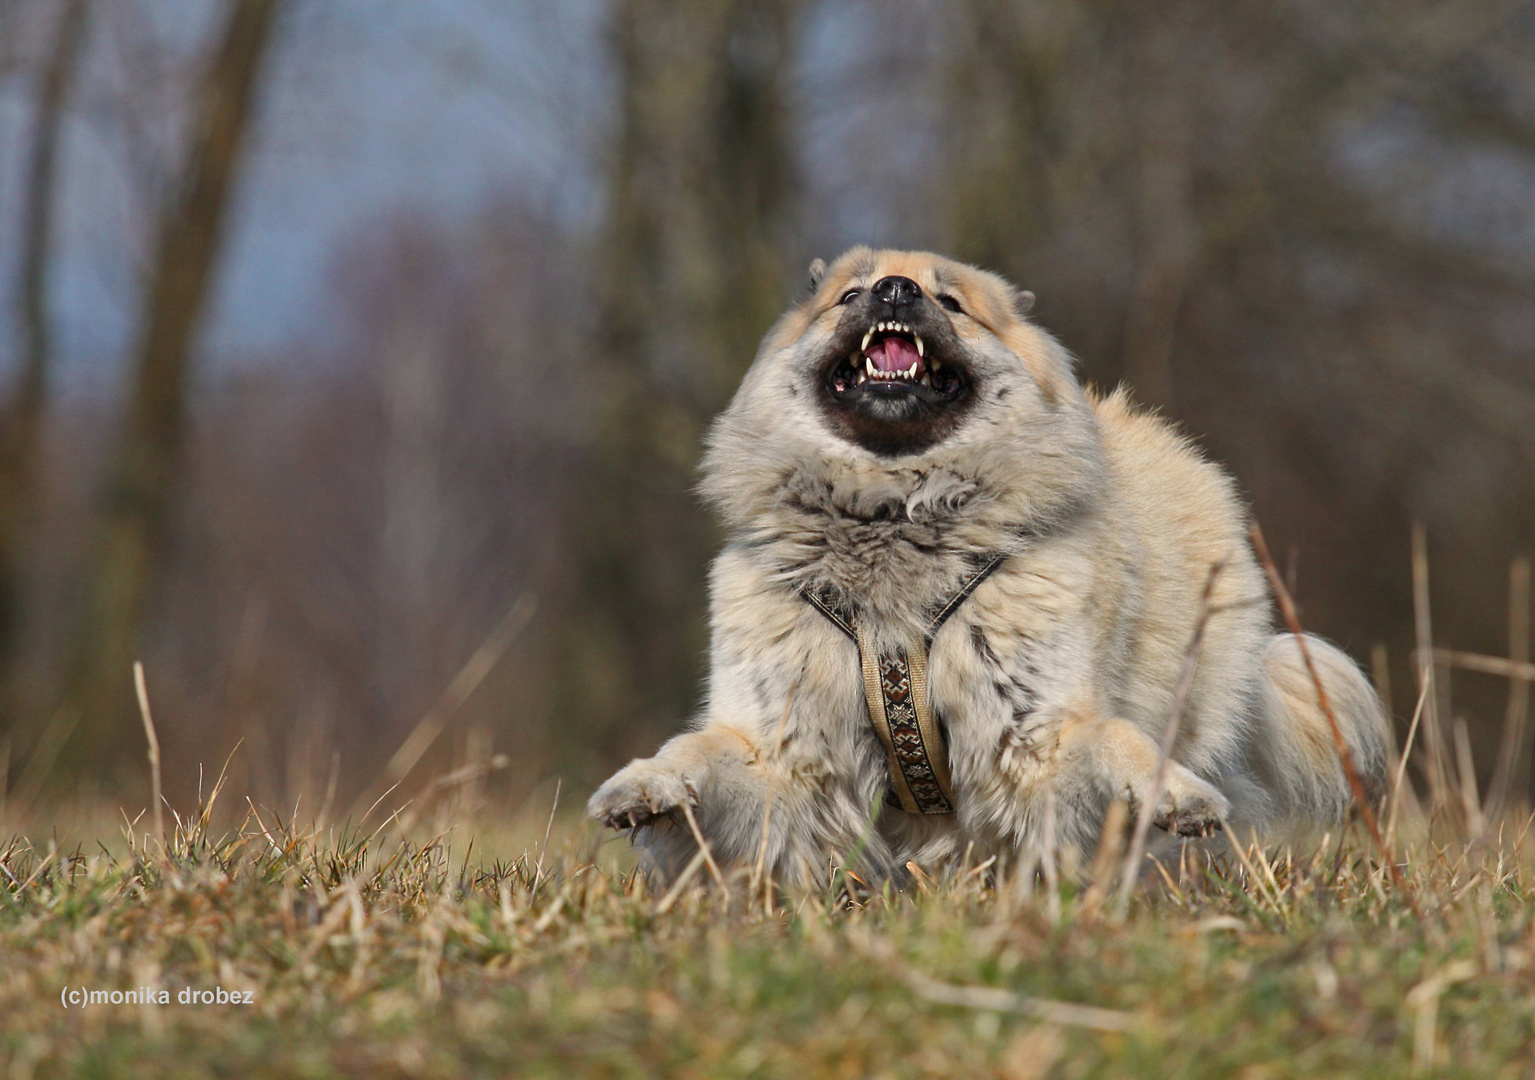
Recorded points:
955,602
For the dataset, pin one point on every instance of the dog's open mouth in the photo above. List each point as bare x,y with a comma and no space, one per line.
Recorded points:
893,355
896,381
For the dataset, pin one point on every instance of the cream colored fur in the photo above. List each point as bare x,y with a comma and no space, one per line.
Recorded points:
1055,679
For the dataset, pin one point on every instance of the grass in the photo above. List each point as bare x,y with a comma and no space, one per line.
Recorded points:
380,956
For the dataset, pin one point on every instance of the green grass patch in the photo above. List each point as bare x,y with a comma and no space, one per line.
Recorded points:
376,956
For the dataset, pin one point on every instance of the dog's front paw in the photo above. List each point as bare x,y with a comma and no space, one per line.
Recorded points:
640,792
1189,806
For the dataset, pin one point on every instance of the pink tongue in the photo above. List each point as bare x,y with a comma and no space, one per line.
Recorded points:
893,354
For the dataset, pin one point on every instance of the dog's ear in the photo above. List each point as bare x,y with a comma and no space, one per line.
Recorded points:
1023,303
817,272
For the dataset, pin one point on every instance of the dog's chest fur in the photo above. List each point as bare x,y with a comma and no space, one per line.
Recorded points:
898,547
898,561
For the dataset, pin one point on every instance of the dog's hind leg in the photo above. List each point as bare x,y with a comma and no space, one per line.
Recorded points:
1295,752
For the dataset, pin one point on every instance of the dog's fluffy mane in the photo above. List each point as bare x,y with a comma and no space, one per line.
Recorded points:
898,532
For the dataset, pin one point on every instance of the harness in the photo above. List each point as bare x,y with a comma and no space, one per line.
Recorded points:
895,688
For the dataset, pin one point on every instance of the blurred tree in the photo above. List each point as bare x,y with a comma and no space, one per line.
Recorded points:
691,273
21,425
143,469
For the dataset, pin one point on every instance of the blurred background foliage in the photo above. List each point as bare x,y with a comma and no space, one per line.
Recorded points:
358,354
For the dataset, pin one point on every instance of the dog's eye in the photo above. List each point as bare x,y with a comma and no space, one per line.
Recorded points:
848,296
951,303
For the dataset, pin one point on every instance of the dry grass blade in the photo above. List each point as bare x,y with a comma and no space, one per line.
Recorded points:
1111,845
1513,751
1400,778
688,873
1423,999
1423,657
1065,1013
1465,767
1361,797
1487,665
1169,738
38,873
703,847
468,679
881,952
538,876
1252,871
154,751
924,880
206,814
1380,674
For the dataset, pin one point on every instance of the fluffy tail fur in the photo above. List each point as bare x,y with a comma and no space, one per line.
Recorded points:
1297,756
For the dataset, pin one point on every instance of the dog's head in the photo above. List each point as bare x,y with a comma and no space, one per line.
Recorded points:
898,364
900,348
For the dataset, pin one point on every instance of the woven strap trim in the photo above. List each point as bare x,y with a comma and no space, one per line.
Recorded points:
982,572
900,706
842,615
895,688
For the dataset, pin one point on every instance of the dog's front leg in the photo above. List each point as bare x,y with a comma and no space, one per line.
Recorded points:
1122,761
714,770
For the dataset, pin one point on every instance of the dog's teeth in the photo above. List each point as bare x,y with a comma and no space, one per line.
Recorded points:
927,380
869,366
867,335
862,378
920,350
912,374
935,363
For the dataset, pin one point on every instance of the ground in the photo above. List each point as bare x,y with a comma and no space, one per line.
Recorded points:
372,956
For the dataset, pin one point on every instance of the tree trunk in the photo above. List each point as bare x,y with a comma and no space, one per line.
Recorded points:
142,477
22,425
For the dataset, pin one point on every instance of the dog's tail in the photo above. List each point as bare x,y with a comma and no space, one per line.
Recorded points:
1297,755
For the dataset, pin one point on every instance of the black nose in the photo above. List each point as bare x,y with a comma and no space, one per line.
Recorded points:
896,291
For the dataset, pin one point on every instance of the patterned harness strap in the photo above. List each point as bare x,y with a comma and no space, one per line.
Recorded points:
896,690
